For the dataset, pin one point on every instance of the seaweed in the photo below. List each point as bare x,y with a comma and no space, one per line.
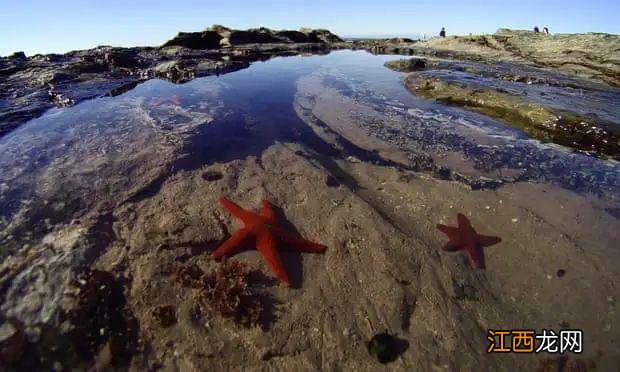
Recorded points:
231,291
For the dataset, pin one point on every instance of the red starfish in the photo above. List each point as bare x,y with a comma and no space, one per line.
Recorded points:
264,228
465,238
174,100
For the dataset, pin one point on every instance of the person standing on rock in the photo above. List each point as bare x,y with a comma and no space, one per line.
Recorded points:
442,33
536,29
546,30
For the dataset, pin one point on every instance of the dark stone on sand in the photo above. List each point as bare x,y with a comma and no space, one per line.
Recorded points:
212,176
386,348
332,182
561,273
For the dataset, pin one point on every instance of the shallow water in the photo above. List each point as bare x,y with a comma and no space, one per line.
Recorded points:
58,166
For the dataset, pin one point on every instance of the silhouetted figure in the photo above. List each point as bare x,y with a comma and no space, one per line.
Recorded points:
536,29
546,30
442,33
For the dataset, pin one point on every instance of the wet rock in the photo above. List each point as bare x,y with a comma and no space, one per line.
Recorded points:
165,316
124,58
102,317
544,123
407,65
12,343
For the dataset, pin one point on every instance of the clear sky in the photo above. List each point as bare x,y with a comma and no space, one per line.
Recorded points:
46,26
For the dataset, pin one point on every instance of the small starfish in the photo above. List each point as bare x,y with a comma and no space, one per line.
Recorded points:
264,228
465,238
174,100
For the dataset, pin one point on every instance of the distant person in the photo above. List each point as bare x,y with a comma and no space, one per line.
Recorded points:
546,30
442,33
536,29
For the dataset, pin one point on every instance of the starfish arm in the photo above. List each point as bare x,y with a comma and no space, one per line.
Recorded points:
453,234
298,242
462,221
266,245
247,217
234,242
487,241
269,214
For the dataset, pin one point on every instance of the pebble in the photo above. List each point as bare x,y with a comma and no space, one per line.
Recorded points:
515,220
346,332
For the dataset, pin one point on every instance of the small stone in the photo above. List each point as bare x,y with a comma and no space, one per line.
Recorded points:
561,273
515,220
212,176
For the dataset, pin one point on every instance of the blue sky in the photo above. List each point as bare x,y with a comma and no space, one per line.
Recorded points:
45,26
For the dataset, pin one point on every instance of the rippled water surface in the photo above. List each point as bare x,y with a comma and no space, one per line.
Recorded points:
61,163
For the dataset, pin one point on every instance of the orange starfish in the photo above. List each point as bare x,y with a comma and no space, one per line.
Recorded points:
264,229
465,238
174,100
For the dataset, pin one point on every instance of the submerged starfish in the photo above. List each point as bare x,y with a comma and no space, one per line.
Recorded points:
264,228
174,100
465,238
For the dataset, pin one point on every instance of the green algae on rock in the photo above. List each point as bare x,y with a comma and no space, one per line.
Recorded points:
543,123
407,65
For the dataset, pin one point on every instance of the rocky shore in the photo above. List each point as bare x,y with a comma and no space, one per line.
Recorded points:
109,210
591,55
31,85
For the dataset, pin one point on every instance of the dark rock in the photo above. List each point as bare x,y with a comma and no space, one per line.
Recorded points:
294,36
407,65
332,182
165,316
12,342
386,348
196,40
560,273
253,36
212,176
321,36
18,56
123,58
